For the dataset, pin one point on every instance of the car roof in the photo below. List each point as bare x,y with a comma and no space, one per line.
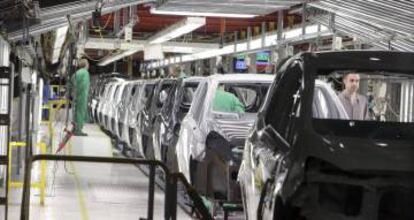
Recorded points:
248,77
358,60
193,79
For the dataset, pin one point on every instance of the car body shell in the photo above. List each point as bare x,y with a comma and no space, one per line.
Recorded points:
143,99
114,107
146,117
127,110
202,123
168,121
256,158
317,158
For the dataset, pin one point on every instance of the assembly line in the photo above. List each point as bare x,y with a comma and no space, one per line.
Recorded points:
207,109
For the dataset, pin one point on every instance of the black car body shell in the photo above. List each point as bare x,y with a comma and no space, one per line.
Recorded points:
320,157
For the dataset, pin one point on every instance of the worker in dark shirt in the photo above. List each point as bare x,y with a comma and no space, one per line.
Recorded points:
356,105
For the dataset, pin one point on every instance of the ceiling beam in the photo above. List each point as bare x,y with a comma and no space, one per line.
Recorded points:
289,36
55,17
117,56
185,26
168,47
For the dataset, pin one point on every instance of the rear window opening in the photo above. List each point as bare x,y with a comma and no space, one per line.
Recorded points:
375,104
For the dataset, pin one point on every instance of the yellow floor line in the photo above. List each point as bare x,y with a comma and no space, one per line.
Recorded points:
79,190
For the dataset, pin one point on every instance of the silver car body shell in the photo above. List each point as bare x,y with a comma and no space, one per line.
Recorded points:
133,119
104,100
120,104
126,120
198,123
108,105
162,132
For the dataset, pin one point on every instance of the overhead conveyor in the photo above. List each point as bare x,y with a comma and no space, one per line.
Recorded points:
222,8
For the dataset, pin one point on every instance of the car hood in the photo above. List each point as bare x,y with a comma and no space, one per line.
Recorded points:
235,130
363,154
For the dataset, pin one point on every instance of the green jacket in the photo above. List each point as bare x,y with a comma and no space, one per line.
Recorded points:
81,83
227,102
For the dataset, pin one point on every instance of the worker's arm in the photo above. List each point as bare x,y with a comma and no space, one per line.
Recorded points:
238,106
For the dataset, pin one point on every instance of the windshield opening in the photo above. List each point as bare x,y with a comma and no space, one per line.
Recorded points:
239,97
188,93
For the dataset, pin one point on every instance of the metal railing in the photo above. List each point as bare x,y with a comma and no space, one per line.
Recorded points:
41,184
171,181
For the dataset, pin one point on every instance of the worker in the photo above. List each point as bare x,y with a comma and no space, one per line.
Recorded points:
172,72
227,102
81,84
182,73
355,105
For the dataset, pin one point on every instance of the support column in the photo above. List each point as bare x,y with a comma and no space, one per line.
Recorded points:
280,53
130,66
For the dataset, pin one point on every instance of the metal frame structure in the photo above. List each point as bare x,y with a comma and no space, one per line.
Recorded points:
383,24
278,39
6,92
171,181
55,17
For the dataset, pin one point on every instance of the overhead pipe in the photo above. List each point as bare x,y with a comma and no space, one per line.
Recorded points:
369,34
366,12
80,14
404,31
362,6
373,14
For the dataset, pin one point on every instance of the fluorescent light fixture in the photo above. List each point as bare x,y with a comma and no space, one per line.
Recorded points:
290,35
203,14
116,57
185,26
59,40
4,52
153,52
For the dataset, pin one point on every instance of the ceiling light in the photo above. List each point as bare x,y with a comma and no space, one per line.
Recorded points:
290,35
183,27
204,14
118,56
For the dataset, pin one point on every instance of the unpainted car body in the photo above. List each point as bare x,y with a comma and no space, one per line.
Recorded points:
146,116
143,98
168,121
106,109
210,143
114,107
131,92
97,86
103,101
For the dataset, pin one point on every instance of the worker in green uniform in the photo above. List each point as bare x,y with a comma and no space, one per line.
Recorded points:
227,102
81,83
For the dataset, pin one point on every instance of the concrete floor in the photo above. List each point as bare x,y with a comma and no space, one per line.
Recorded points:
91,191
